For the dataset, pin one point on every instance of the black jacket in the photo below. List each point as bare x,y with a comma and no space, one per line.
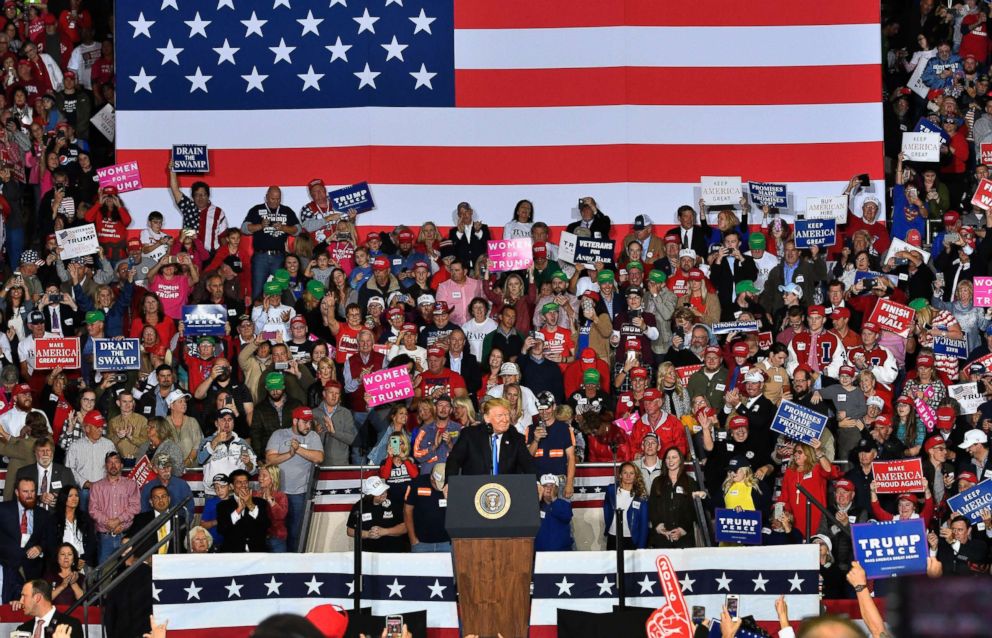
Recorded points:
248,534
176,546
471,372
600,224
468,247
17,568
472,454
726,282
58,619
59,477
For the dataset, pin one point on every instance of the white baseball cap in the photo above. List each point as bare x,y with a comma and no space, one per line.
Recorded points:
549,479
375,486
972,437
509,368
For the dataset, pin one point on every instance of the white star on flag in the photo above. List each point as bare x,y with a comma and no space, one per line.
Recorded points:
170,53
647,585
141,26
192,591
310,24
313,585
389,2
422,23
367,77
198,81
253,25
423,78
759,582
197,25
234,589
282,51
272,586
338,50
605,587
226,53
351,588
310,79
565,587
155,592
723,582
284,3
796,583
169,3
437,589
396,589
394,50
366,22
343,3
142,81
225,3
687,583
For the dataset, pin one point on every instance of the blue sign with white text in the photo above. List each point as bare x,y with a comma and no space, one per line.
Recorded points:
190,158
798,422
357,196
892,548
951,347
765,194
926,126
738,527
972,501
116,355
815,232
204,320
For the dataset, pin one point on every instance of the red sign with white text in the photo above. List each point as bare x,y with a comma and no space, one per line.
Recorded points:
57,353
893,317
983,195
672,619
685,372
899,477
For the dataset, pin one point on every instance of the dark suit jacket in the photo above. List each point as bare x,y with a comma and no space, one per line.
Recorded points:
68,320
472,454
471,372
58,619
176,545
17,569
247,532
58,474
700,239
726,282
469,247
600,224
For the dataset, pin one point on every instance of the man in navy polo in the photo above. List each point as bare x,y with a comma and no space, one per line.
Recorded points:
552,443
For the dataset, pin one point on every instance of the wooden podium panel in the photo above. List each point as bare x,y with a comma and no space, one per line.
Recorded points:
493,577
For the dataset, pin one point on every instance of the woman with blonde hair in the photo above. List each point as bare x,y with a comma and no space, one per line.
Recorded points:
674,396
428,239
514,294
398,469
704,306
464,411
518,415
741,489
926,384
268,490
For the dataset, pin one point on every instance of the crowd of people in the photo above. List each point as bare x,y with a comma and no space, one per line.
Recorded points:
552,365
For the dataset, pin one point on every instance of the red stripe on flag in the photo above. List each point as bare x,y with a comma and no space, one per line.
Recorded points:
607,163
337,507
244,632
524,14
667,86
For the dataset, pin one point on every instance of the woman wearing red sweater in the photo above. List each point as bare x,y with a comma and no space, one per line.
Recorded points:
111,220
908,503
811,469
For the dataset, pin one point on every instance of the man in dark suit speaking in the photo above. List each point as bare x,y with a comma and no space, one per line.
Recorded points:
27,538
478,447
36,601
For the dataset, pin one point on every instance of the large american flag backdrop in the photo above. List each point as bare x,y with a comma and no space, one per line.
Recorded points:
434,102
218,596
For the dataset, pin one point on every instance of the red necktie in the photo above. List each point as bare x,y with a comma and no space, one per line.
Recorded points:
24,522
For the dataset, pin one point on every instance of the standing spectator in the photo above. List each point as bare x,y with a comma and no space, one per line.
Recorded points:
114,502
470,236
630,497
555,533
176,486
225,451
88,457
382,527
552,444
270,225
242,520
424,511
810,468
335,425
269,482
670,504
296,451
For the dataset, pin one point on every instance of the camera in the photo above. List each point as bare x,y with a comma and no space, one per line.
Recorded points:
282,365
55,298
637,312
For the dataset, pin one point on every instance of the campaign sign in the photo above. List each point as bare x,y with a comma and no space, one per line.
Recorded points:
924,125
957,348
898,246
720,191
968,395
815,232
765,340
685,372
831,207
510,254
972,501
672,619
765,194
142,472
205,320
585,250
982,297
628,422
986,153
77,241
893,317
921,147
126,177
386,386
797,422
190,158
116,355
738,527
894,548
899,477
357,196
734,326
983,195
58,352
867,274
105,121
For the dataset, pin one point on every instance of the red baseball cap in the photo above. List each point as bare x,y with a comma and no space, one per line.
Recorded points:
303,412
332,383
298,319
633,343
737,421
968,476
441,308
844,484
540,249
588,355
913,238
871,325
905,400
883,420
933,442
951,217
21,388
848,370
639,373
373,235
94,418
696,274
330,620
652,394
134,242
739,349
436,351
945,417
712,350
924,360
912,498
592,294
405,236
841,313
671,239
380,263
410,327
393,312
816,311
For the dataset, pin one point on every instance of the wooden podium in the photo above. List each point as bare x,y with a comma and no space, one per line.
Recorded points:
492,521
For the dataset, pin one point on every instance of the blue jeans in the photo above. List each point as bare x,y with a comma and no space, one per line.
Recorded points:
276,545
15,246
108,544
294,520
263,265
422,548
358,446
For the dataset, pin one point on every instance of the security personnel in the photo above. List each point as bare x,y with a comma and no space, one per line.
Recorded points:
552,443
424,511
382,526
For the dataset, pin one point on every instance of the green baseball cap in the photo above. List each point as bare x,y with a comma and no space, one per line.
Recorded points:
918,304
549,307
272,287
756,241
591,376
558,274
316,289
275,381
95,315
635,265
282,276
605,276
746,285
657,276
207,339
